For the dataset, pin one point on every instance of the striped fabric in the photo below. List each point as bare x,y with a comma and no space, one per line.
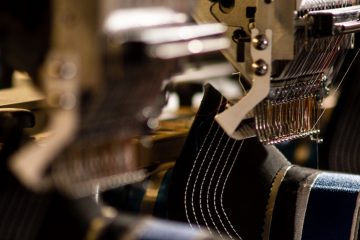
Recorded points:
332,208
314,205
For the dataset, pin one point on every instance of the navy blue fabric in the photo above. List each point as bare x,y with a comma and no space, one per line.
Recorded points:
331,207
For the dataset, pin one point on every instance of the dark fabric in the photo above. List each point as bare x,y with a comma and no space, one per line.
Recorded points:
246,185
26,215
21,211
127,198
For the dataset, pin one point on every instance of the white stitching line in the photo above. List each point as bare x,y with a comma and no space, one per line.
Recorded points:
212,177
191,172
197,177
223,189
202,185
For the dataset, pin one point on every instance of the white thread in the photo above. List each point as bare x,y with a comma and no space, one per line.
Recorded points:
190,175
217,184
202,185
193,167
223,188
196,179
208,191
337,88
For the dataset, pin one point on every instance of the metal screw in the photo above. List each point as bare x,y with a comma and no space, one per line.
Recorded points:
62,70
260,67
260,42
67,101
68,70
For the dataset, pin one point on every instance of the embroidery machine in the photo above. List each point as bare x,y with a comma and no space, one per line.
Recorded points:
101,66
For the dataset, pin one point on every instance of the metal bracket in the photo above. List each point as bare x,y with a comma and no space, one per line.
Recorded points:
61,84
231,118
